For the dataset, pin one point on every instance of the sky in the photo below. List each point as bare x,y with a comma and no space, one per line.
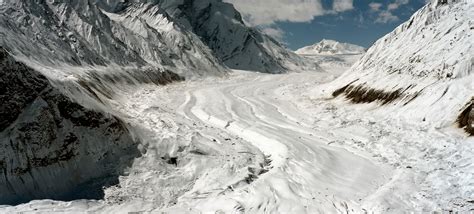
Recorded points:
298,23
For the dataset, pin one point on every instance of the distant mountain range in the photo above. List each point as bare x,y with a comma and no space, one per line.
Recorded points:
330,47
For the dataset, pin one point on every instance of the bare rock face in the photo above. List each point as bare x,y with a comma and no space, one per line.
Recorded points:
52,147
466,118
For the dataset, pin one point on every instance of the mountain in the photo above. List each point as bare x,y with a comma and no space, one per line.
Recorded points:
330,47
81,34
53,146
332,56
423,68
63,62
192,38
220,26
60,64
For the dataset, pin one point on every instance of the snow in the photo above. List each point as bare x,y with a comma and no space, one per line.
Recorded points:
83,35
332,56
330,47
429,57
221,27
354,165
249,142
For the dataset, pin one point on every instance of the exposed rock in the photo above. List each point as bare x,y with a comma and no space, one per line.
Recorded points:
81,33
221,28
52,147
466,118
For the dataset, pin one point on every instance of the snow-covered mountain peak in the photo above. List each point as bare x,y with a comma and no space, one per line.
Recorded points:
331,47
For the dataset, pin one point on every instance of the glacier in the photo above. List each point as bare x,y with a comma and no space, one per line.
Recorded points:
179,107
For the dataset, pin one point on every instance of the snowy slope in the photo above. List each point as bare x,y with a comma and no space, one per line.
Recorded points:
221,27
50,145
80,33
330,47
424,67
62,64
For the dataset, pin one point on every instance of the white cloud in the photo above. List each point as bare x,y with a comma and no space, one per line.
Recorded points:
395,5
392,6
374,6
261,12
386,16
265,13
342,5
268,12
274,32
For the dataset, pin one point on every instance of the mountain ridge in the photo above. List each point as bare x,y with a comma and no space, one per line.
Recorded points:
331,47
424,66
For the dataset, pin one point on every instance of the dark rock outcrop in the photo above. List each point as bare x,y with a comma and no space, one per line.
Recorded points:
52,147
466,118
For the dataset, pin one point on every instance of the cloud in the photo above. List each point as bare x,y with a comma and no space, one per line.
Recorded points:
260,12
264,14
395,5
385,16
374,6
342,5
274,32
268,12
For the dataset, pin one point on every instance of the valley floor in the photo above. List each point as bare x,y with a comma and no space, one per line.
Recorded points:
259,143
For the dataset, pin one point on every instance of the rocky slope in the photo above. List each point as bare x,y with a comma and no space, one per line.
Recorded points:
80,33
422,68
221,28
60,148
330,47
52,146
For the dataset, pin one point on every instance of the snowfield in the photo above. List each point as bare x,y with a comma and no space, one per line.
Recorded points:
252,143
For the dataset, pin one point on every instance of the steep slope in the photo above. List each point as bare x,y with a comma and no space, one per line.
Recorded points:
79,33
51,146
330,47
221,27
424,67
